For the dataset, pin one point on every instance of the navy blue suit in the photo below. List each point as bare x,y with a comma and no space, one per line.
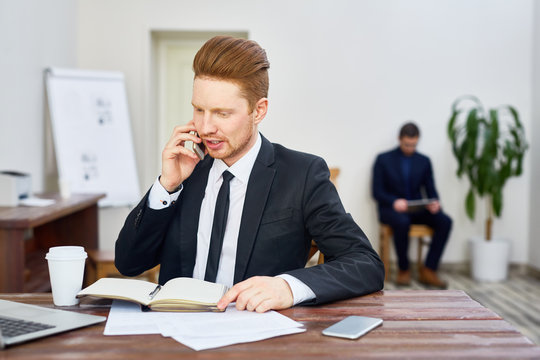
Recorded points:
289,201
390,183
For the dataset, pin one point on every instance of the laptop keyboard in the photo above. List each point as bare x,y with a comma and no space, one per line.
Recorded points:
14,327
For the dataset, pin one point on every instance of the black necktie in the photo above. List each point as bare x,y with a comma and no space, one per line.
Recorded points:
218,228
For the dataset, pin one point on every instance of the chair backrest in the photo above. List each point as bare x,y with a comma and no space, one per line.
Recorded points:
334,173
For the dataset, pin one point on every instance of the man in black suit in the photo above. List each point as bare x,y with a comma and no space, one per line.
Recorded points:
276,201
399,176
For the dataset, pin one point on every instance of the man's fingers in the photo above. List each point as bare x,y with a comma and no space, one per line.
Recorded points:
434,207
264,306
232,294
260,303
259,294
228,298
174,152
249,299
190,126
179,138
248,291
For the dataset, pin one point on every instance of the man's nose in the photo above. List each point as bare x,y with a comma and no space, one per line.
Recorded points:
207,125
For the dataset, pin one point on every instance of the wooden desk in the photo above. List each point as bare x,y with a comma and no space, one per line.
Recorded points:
417,324
73,221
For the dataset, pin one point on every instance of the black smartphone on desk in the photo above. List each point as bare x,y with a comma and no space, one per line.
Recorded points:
352,327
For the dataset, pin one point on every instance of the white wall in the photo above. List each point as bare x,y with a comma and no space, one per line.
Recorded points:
534,253
34,34
344,76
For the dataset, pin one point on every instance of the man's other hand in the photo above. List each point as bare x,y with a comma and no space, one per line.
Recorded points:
260,294
400,205
433,207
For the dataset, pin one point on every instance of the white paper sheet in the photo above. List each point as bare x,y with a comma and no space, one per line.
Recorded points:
34,201
126,318
203,342
202,330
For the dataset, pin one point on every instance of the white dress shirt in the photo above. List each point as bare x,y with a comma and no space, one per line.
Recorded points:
159,198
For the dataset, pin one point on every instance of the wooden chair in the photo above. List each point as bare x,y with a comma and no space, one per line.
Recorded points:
312,252
422,233
101,264
334,173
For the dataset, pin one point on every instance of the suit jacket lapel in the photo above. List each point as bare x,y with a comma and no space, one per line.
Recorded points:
260,182
192,196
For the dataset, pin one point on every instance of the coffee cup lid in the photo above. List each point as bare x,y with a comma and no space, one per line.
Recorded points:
66,253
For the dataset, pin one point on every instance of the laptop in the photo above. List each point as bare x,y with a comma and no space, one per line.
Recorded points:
23,322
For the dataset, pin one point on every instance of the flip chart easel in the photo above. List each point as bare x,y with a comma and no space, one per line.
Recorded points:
92,134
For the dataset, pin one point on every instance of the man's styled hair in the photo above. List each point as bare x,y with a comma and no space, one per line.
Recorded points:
241,61
409,130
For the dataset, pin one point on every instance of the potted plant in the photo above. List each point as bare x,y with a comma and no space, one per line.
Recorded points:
489,147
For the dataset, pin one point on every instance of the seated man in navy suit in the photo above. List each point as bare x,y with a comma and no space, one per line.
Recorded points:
399,176
245,211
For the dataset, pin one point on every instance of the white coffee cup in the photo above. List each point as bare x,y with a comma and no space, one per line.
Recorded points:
65,188
66,272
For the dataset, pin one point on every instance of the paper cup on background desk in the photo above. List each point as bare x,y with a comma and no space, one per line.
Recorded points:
65,188
66,271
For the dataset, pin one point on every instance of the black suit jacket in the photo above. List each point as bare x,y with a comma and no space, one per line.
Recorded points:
388,182
289,201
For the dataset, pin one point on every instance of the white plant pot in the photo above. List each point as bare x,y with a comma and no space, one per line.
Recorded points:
489,259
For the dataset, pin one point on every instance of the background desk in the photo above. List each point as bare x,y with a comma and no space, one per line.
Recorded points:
417,324
73,221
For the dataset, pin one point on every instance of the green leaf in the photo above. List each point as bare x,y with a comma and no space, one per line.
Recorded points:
464,98
519,166
471,136
516,136
515,115
505,171
497,201
470,204
494,124
452,133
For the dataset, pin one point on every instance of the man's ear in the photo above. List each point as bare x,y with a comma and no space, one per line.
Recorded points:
261,107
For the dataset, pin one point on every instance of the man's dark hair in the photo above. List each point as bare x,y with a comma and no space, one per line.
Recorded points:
409,130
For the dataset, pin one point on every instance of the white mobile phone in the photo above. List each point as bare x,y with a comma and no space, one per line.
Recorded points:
352,327
193,146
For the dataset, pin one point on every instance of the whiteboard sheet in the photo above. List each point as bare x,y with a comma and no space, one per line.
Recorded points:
92,134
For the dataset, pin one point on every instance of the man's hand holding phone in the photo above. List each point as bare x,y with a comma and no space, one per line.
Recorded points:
178,162
198,149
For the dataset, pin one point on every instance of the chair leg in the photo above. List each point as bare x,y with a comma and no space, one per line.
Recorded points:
384,251
419,258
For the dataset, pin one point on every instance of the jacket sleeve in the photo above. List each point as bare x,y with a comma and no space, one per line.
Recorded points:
139,243
351,267
381,195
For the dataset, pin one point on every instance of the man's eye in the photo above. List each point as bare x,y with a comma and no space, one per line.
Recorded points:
223,114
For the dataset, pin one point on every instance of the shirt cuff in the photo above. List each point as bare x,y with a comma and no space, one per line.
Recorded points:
159,198
301,292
